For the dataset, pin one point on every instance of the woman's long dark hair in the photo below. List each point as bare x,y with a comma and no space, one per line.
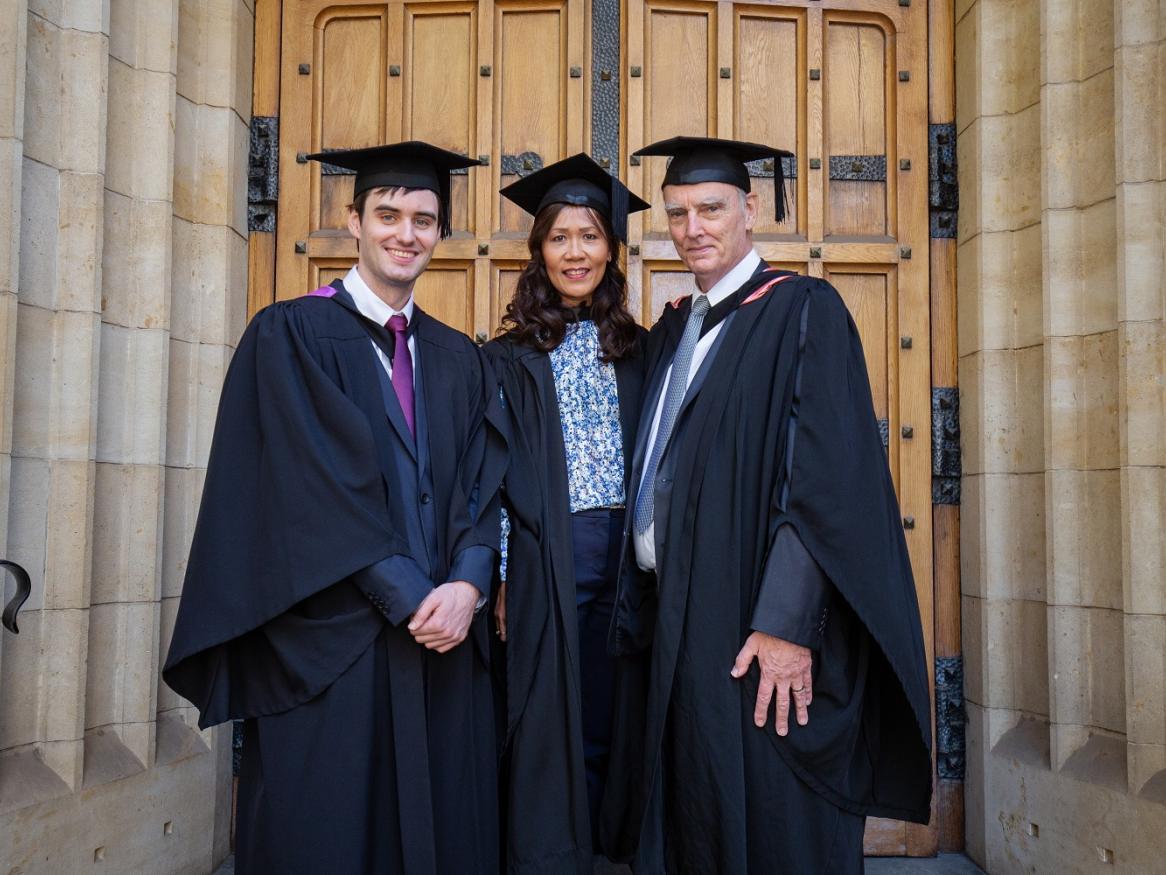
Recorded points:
537,317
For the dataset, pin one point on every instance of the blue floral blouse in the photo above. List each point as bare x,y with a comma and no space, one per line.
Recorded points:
589,412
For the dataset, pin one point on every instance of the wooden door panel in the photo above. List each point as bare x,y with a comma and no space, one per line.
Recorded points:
870,299
359,88
858,63
871,296
439,89
446,292
503,283
662,282
530,121
325,270
769,54
680,52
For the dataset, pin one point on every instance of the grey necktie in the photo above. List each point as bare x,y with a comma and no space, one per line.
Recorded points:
673,398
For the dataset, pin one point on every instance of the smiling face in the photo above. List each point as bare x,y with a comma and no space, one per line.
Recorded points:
710,224
397,231
575,252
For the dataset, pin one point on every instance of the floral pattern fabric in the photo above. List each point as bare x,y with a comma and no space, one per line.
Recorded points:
589,411
588,401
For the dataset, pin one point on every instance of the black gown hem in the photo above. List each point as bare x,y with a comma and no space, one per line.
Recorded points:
852,806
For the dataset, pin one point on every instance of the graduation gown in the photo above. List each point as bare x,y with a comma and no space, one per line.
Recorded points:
544,786
323,525
777,434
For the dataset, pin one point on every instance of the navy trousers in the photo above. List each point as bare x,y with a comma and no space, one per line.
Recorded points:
596,536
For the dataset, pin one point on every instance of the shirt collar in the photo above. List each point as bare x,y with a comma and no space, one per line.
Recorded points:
735,278
369,304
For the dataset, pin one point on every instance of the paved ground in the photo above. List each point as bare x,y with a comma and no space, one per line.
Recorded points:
944,864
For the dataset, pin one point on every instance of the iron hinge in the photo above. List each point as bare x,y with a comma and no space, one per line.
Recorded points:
605,88
263,173
950,717
763,167
944,192
522,164
858,168
945,445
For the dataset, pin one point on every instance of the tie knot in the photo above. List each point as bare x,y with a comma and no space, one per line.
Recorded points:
700,304
397,324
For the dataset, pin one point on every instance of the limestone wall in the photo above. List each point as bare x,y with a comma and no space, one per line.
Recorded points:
1062,339
123,259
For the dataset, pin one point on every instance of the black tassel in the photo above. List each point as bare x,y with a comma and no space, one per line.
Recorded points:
779,197
619,210
445,207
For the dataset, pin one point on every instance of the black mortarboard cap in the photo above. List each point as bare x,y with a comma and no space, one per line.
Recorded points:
581,182
707,159
412,164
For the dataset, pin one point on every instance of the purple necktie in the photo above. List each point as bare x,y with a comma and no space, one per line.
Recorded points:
402,369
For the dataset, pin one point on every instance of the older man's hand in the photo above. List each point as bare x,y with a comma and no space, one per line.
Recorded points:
785,671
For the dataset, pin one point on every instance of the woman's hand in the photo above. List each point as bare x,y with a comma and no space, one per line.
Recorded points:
500,611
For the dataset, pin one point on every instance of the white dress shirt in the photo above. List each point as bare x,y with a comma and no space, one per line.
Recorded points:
645,542
378,311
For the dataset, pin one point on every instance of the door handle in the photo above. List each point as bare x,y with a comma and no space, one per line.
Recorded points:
23,589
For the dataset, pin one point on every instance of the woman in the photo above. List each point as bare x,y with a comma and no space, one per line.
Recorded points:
568,361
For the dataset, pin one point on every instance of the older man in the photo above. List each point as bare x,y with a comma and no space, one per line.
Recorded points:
766,575
343,552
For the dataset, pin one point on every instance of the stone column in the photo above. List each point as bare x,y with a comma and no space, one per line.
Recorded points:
13,41
1083,494
209,297
1140,176
123,142
13,44
125,591
209,272
1001,389
1063,351
42,692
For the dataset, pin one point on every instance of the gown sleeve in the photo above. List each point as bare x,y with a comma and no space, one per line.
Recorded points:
793,597
839,499
793,601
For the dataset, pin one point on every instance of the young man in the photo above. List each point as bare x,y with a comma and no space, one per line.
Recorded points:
764,562
343,552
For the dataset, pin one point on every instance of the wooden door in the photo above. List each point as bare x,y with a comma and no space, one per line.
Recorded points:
841,83
501,80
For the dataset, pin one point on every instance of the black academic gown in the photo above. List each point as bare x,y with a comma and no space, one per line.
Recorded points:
323,525
777,434
544,785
